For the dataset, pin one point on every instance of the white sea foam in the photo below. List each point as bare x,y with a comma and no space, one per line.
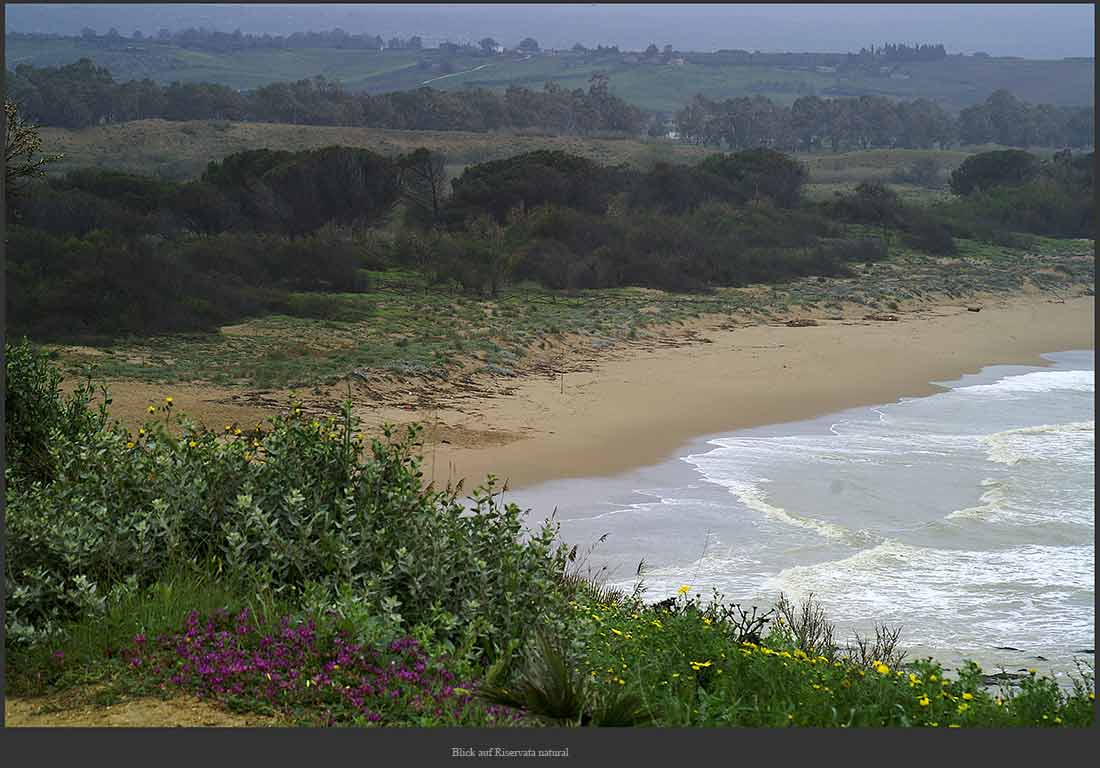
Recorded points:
1027,594
1074,442
754,497
1037,381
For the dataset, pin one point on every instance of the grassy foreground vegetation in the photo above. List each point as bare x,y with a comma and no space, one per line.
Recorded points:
281,569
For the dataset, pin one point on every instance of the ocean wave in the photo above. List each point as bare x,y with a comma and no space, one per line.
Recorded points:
755,498
1012,501
1073,442
990,504
711,571
1047,591
1037,381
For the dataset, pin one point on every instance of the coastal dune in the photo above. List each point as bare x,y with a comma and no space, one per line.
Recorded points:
638,410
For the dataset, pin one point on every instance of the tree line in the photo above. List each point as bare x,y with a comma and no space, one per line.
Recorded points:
203,39
840,124
81,94
100,253
96,253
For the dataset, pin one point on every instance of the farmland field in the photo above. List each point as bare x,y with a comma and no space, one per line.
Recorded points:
955,82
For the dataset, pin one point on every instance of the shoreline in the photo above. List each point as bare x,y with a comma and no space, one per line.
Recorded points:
641,410
636,404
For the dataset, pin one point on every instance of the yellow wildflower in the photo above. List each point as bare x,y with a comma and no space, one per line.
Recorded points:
683,590
152,409
617,632
924,701
968,696
656,623
168,400
881,668
192,444
964,706
130,444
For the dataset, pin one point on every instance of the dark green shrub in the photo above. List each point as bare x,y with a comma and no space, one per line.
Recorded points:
38,415
991,169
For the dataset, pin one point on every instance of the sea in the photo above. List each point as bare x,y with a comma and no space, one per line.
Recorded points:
965,518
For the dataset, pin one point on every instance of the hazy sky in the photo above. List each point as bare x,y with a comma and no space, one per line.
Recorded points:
1030,31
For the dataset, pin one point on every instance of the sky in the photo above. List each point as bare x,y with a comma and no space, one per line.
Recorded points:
1042,31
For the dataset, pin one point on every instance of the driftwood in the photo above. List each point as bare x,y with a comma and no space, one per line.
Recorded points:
801,323
877,316
973,309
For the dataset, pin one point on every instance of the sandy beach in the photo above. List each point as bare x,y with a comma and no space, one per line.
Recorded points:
633,405
632,412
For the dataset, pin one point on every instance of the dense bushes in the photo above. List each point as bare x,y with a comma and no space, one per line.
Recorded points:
875,204
37,414
261,223
529,180
1016,192
289,193
293,508
760,173
536,178
992,169
100,286
714,244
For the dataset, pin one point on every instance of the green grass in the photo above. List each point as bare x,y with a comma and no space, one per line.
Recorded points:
691,665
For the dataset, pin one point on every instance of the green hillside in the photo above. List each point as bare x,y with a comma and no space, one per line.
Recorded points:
955,82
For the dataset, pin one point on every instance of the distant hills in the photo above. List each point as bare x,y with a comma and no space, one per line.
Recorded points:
655,81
